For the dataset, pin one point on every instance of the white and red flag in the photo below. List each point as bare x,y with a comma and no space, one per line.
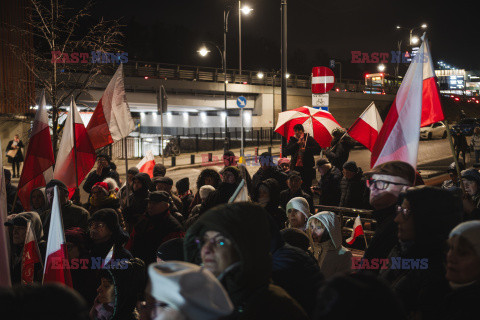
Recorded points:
30,255
398,139
147,163
111,121
4,236
39,160
56,264
357,231
78,141
366,128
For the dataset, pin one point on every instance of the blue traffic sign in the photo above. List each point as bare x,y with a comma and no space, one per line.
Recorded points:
241,102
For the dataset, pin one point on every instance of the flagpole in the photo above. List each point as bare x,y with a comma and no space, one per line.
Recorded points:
74,145
126,169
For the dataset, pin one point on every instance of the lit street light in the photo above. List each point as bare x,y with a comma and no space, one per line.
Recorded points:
287,75
415,40
260,75
203,51
381,68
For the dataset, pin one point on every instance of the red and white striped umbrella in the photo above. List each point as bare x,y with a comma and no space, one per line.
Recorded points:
317,123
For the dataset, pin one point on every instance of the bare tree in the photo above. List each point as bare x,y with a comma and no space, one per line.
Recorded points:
59,34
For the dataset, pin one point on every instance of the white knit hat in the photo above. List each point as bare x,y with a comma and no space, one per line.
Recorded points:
300,204
205,191
190,289
470,230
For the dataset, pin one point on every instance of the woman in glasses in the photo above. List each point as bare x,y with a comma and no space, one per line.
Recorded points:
416,270
233,242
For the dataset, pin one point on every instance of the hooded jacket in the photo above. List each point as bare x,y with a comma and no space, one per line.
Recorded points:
41,211
224,191
137,203
273,205
332,257
271,173
248,283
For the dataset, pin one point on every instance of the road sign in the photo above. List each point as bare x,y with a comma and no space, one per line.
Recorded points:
323,79
241,102
332,63
320,100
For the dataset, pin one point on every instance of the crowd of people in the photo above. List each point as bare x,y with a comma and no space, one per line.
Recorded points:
194,254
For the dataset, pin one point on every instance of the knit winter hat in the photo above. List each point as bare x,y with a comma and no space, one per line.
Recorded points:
190,289
300,204
283,160
470,230
350,166
205,191
112,184
472,175
103,186
183,185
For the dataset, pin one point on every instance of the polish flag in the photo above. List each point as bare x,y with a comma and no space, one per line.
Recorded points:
366,128
147,163
39,160
30,255
111,121
85,160
55,269
399,136
4,236
357,231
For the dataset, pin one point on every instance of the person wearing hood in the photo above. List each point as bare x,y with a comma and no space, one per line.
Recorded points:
122,193
294,183
183,291
471,201
18,223
229,159
353,187
119,291
463,272
206,177
39,202
416,274
236,251
72,215
11,191
105,169
267,195
268,170
155,227
185,195
325,232
328,188
298,212
294,269
230,180
102,198
137,205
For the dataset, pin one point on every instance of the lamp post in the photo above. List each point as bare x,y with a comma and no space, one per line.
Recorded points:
245,10
413,40
203,52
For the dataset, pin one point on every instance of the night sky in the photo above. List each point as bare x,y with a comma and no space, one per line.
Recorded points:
172,31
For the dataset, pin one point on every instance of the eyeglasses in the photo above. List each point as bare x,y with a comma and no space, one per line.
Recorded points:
95,225
382,184
216,242
404,211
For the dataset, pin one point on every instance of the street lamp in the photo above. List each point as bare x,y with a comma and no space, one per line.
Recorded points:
414,40
260,75
381,68
203,52
245,10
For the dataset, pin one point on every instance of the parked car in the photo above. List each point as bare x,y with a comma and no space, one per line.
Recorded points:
466,126
436,130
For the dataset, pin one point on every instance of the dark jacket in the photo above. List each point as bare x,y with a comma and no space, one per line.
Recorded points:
72,216
338,155
137,205
385,237
247,283
462,303
151,231
287,195
93,178
11,191
272,172
295,271
19,155
329,185
186,202
219,196
311,148
354,192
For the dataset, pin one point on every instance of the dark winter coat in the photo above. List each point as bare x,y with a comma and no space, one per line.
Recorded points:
186,202
72,216
137,204
338,155
273,206
354,192
287,195
220,196
385,237
19,155
93,178
11,191
151,231
248,283
272,172
462,303
329,185
311,148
